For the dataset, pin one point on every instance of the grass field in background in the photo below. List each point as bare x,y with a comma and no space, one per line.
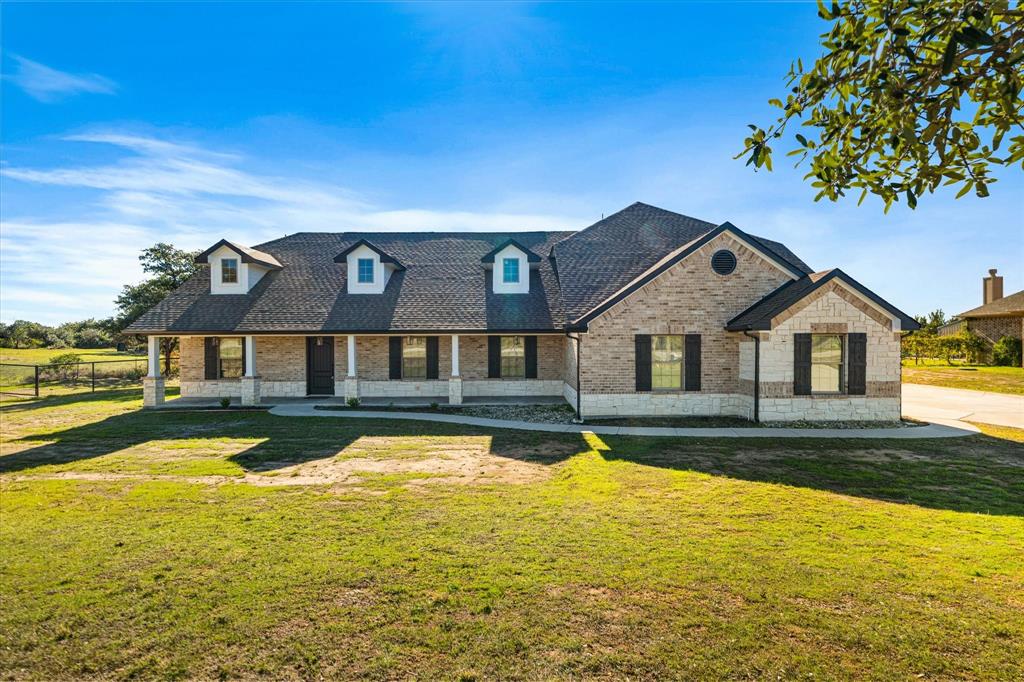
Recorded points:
40,356
215,544
972,377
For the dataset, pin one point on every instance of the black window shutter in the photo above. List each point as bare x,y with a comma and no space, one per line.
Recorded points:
857,354
243,356
531,357
493,357
801,364
210,355
643,362
691,362
395,357
432,353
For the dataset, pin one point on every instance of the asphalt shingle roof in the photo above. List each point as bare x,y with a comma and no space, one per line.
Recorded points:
444,286
1006,306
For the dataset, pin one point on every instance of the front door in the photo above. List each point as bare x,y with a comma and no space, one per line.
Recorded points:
320,365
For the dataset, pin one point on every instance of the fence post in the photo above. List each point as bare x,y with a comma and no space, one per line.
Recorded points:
37,380
94,377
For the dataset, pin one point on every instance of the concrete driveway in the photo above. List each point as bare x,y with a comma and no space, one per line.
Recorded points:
930,403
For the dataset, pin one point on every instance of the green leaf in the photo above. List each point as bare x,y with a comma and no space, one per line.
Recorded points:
966,188
949,55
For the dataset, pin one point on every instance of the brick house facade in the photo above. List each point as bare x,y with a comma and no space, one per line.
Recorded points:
647,312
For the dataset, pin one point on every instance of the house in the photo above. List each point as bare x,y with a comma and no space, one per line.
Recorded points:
646,312
996,317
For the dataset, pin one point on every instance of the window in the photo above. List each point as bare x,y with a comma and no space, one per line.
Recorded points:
229,271
229,361
365,266
510,270
414,357
826,363
513,357
666,362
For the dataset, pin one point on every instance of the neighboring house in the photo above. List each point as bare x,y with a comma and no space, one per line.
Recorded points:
646,312
998,316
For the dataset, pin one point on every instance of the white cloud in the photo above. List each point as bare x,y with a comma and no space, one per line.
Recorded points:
50,85
184,194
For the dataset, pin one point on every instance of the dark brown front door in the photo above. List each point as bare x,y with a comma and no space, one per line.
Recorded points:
320,365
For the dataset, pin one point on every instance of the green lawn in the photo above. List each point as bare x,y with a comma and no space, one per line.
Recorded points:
973,377
206,544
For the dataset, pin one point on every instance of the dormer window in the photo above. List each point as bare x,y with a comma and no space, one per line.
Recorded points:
510,270
229,271
368,267
365,270
236,269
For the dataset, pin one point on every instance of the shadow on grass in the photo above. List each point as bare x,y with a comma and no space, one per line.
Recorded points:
976,474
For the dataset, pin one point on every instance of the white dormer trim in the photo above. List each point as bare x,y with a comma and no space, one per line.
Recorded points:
248,273
500,286
381,271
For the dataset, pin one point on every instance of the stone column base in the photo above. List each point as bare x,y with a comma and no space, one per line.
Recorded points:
351,388
153,391
250,390
455,391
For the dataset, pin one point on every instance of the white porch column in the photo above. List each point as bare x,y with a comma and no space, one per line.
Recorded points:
351,375
351,365
154,356
455,381
153,389
250,382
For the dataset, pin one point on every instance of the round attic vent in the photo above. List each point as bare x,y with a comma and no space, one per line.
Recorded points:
723,262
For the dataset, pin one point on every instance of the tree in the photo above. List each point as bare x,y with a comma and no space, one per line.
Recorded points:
909,95
170,268
931,322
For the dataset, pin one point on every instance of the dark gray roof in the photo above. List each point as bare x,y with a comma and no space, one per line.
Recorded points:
760,315
1008,306
599,261
443,286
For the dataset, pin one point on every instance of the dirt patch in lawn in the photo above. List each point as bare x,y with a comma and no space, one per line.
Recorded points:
467,464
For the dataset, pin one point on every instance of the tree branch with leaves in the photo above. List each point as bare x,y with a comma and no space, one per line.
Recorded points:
909,95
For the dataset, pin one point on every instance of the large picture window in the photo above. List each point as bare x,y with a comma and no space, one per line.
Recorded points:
229,271
666,363
414,357
229,358
513,357
826,363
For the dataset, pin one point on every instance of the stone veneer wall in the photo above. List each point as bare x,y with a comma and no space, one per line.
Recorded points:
281,364
831,309
690,298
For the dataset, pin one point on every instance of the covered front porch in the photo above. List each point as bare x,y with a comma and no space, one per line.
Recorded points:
379,370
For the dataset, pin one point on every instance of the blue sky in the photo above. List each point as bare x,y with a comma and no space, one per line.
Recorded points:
127,124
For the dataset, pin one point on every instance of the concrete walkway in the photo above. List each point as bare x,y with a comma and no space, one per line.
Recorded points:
950,430
935,403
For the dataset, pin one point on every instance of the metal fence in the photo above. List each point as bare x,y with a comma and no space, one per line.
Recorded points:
37,381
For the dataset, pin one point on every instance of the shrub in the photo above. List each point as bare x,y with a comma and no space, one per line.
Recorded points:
353,402
433,406
62,367
225,402
1007,352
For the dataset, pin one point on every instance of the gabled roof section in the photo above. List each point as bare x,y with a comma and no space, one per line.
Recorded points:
1008,306
601,260
384,256
530,255
760,315
682,252
247,255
